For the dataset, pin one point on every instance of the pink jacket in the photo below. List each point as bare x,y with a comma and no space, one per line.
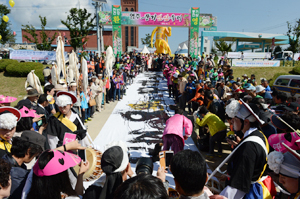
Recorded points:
175,125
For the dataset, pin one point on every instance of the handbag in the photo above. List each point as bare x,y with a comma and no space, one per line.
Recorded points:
92,102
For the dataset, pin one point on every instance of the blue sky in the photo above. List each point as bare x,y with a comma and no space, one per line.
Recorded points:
262,16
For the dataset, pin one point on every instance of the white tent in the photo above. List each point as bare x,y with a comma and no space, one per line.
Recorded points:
178,49
145,50
183,51
184,47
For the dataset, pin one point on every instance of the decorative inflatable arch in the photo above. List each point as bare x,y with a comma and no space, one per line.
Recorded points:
163,23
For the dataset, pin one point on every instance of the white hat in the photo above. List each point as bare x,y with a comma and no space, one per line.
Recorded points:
245,75
232,108
73,83
259,88
245,112
175,75
251,88
286,164
53,63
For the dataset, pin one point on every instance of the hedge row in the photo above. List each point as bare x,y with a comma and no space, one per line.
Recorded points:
5,62
296,70
13,68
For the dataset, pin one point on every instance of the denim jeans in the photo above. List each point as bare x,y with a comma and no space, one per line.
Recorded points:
87,113
117,91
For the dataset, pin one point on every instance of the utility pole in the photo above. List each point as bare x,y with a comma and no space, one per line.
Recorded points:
101,31
100,45
98,31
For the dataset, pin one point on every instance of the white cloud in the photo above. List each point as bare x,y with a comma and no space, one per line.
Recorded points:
28,11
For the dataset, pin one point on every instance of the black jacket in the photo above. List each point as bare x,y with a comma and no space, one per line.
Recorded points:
18,177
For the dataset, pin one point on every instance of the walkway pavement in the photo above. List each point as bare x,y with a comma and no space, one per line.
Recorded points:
95,126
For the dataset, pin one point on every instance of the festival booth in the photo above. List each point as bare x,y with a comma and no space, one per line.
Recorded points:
163,23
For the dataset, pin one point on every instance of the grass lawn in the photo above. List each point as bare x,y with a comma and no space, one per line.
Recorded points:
13,86
260,72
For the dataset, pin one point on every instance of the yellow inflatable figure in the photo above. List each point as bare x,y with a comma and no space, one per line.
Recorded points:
161,41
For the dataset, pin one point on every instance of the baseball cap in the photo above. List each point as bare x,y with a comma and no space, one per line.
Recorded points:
247,85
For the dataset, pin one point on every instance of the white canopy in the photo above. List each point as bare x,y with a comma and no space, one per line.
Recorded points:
145,50
184,47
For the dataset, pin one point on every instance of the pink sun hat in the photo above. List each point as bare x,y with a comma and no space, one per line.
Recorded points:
7,99
290,139
25,112
58,164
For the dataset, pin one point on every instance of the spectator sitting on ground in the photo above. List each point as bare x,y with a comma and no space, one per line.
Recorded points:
265,83
279,98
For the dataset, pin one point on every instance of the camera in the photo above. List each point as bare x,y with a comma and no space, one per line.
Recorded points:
144,166
232,137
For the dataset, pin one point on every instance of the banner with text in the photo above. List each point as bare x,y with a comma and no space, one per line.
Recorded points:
157,19
241,63
117,30
238,55
117,40
34,55
194,32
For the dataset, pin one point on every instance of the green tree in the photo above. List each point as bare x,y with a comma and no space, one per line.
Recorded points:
294,35
213,51
5,31
80,23
45,43
147,40
223,46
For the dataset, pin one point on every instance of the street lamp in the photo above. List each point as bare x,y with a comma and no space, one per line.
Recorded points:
99,31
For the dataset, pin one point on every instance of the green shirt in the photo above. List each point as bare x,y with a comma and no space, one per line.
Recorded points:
214,123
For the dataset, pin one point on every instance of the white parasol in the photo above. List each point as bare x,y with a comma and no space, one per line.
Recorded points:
60,57
84,70
73,70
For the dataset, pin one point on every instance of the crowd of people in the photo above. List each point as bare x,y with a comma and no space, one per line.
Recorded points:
245,112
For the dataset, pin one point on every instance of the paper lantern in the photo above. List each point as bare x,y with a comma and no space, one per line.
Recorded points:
5,18
11,3
0,37
14,33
